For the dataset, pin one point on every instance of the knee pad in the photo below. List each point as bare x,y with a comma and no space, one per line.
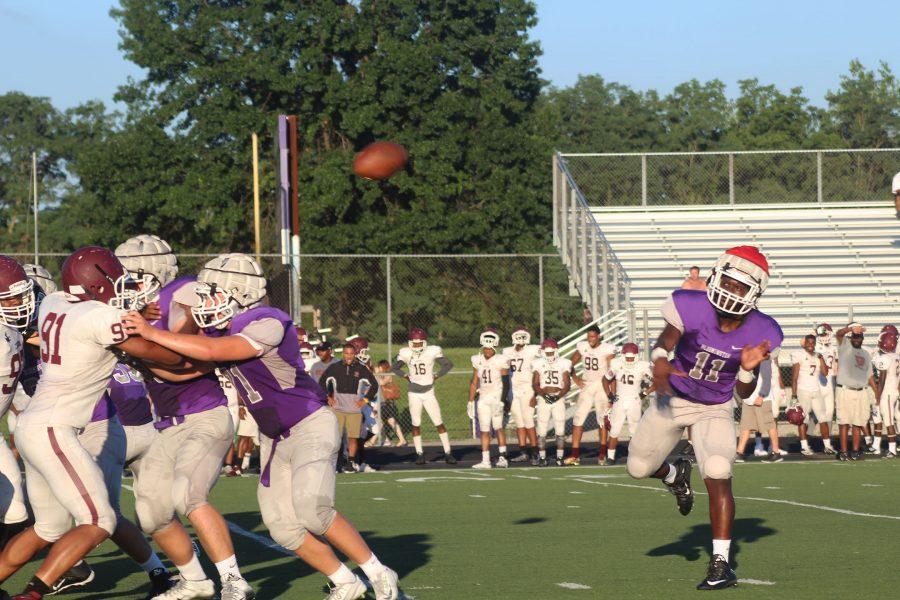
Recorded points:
316,514
639,468
187,497
286,536
717,467
151,516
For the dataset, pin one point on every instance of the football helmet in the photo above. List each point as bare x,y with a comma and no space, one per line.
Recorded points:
417,340
795,415
361,345
95,273
307,353
824,333
227,286
887,341
302,335
521,337
630,351
549,350
151,263
41,276
489,338
745,264
891,329
15,283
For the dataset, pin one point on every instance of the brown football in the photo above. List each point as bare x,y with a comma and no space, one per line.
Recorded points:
380,160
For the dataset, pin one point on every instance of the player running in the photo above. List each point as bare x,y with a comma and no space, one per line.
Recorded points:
809,368
551,382
490,382
258,347
595,355
719,340
521,355
627,383
80,333
420,358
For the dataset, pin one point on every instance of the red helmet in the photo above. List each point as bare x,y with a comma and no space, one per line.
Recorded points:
887,341
302,335
745,264
95,273
417,339
630,350
361,345
15,283
549,349
891,329
795,415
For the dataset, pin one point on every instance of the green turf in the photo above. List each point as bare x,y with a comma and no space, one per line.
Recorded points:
518,533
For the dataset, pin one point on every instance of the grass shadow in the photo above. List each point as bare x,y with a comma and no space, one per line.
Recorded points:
695,543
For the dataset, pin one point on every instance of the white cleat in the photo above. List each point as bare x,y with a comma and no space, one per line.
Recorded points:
348,591
482,465
502,463
760,452
806,451
386,585
236,588
782,452
185,590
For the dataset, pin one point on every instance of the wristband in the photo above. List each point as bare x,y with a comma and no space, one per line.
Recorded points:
745,376
658,353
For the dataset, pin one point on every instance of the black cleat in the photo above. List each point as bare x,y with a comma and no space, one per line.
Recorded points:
681,487
543,462
858,455
160,582
420,459
719,575
79,575
535,460
449,459
842,456
609,462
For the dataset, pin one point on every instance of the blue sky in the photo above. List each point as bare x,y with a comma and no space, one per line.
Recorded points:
68,50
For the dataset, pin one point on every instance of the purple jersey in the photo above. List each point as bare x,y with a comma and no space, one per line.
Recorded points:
104,409
710,357
129,395
187,397
274,386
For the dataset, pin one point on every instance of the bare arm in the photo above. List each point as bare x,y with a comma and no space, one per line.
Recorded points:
609,385
197,347
143,348
473,385
823,366
662,368
795,375
567,384
576,358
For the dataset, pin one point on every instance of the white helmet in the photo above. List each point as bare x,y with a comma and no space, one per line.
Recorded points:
42,277
151,263
521,337
745,264
489,339
227,286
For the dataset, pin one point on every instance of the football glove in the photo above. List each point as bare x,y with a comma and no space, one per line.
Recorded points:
612,398
470,409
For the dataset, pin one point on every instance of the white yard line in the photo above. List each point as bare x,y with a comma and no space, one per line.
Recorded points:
756,581
573,586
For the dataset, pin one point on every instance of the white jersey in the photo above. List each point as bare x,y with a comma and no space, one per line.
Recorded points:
228,388
520,362
888,365
629,376
421,365
595,361
829,353
810,370
551,373
489,370
12,358
76,340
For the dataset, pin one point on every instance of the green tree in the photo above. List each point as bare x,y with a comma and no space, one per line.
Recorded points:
865,110
696,116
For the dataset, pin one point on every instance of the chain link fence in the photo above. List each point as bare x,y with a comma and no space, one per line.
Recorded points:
749,177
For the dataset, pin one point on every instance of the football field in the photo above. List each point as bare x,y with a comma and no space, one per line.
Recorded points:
816,529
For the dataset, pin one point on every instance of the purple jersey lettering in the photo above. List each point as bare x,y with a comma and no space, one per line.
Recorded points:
129,396
275,387
187,397
710,357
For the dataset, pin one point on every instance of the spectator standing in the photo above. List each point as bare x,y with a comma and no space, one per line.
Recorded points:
350,385
325,355
895,190
756,413
390,393
854,375
693,282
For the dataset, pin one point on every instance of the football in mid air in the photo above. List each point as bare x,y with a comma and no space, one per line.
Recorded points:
380,160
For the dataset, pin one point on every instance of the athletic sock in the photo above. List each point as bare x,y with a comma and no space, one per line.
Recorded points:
228,568
804,444
722,548
611,453
342,576
670,478
417,442
445,441
502,450
542,453
372,567
892,446
869,439
36,585
245,462
486,456
827,442
192,570
152,563
560,452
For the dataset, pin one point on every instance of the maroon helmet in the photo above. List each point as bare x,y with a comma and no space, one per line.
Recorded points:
887,341
521,337
417,339
549,349
795,415
302,335
361,345
630,350
95,273
891,329
16,294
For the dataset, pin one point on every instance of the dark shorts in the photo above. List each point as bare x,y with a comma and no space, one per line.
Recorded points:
389,410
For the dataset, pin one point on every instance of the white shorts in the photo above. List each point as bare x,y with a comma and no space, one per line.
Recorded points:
546,410
624,409
591,397
489,409
12,500
428,401
853,407
63,482
885,413
521,410
818,403
247,427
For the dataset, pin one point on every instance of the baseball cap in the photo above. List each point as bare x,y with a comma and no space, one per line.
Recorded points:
323,347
